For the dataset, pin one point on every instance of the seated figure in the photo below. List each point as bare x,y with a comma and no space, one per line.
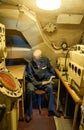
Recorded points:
40,74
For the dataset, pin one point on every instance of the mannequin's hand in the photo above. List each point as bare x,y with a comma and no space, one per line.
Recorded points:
45,82
48,81
52,78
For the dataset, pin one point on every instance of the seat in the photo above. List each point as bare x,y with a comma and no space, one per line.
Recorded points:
39,93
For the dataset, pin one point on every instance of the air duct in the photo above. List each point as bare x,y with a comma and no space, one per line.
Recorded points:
69,19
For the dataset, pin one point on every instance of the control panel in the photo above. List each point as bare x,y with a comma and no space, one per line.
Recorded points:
76,71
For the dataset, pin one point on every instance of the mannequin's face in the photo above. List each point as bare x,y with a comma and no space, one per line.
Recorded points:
37,55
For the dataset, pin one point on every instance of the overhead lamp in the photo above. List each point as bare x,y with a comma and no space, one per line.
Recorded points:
48,4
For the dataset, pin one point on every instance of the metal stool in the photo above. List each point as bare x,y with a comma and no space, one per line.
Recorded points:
39,93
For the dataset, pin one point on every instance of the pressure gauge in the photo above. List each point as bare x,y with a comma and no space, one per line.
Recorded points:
64,45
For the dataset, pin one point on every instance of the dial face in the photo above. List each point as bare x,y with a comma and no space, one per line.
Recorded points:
9,85
64,45
8,81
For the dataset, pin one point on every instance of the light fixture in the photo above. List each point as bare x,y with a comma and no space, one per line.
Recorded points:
48,4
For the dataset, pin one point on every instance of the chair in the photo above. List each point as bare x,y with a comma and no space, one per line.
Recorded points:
39,93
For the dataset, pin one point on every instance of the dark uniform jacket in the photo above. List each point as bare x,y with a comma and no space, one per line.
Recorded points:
39,71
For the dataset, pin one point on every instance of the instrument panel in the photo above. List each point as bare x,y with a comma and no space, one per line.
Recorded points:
76,71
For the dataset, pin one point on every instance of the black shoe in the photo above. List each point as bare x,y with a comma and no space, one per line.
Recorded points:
52,113
28,118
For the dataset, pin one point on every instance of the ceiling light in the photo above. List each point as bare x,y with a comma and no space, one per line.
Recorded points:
48,4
